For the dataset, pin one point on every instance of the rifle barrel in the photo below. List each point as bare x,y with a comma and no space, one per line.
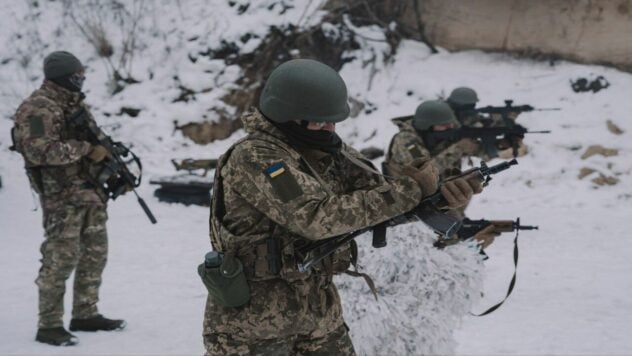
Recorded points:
143,205
526,227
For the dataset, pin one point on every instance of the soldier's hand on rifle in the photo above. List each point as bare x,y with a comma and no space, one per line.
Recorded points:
468,146
504,143
98,153
457,192
486,236
475,181
425,172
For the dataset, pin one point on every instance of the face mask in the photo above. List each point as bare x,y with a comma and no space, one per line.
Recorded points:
77,80
73,82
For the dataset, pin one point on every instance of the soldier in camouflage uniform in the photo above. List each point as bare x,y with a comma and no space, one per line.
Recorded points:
408,146
74,211
292,182
463,101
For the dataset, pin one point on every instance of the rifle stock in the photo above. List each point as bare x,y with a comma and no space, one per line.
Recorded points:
472,227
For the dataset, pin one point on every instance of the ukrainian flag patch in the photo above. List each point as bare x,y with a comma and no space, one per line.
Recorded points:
275,170
283,182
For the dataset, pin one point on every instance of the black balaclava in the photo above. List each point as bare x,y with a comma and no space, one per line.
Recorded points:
301,137
72,82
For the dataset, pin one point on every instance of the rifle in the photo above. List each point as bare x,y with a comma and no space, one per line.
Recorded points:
509,108
469,228
191,164
486,135
428,211
113,176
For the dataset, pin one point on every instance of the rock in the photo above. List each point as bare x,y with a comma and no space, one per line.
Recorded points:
585,172
132,112
206,132
612,127
599,150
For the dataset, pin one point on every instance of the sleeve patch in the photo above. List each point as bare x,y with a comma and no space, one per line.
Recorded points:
283,182
36,126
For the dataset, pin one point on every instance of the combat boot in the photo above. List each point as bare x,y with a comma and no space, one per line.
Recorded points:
96,323
56,336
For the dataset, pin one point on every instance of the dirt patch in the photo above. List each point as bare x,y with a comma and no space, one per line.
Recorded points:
599,150
605,180
613,128
584,172
206,132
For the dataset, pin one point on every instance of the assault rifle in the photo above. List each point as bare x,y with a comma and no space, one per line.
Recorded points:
428,211
510,108
111,175
486,135
469,228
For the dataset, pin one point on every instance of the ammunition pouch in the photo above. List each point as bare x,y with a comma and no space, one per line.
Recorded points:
226,284
51,180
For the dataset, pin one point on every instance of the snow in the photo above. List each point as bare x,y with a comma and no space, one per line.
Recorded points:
573,288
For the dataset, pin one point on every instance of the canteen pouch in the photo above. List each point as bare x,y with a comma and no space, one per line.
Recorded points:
226,283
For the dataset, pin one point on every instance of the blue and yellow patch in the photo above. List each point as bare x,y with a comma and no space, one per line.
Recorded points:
275,170
283,182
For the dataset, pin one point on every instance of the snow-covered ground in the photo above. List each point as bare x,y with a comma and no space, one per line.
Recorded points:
573,290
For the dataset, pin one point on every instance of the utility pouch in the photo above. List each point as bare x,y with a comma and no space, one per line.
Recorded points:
224,278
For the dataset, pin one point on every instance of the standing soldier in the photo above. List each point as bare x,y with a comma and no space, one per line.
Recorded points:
290,183
409,145
57,158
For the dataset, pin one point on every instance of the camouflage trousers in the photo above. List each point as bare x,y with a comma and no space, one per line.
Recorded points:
75,239
337,343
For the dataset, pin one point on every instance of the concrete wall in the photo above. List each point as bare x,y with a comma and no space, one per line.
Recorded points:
597,31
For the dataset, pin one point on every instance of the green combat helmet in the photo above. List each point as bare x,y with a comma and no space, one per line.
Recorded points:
463,96
304,89
60,64
433,112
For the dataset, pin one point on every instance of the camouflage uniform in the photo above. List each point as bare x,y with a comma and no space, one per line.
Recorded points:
74,212
408,145
266,189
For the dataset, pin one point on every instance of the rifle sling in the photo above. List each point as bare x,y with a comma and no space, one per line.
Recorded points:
512,284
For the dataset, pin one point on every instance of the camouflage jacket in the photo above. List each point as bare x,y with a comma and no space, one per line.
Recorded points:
53,152
408,145
264,189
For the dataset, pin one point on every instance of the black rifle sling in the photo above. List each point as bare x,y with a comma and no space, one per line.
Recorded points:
512,284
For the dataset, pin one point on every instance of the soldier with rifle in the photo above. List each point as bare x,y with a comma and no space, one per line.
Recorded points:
462,101
74,170
411,145
490,123
289,184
